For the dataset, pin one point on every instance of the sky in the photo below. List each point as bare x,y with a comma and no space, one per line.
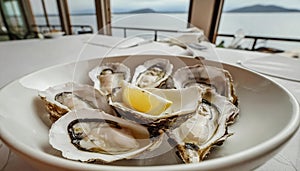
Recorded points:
158,5
232,4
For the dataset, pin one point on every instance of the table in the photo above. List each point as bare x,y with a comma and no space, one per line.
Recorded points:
19,58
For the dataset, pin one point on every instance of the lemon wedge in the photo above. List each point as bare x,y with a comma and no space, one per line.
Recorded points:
144,101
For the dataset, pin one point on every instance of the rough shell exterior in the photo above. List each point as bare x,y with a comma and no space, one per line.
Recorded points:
85,93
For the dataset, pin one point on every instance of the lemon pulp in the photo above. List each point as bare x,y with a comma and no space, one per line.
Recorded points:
144,101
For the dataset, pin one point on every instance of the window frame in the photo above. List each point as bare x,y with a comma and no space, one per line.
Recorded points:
209,19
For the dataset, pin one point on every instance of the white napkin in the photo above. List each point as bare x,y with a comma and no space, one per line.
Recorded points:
275,65
294,53
116,42
184,37
195,43
151,48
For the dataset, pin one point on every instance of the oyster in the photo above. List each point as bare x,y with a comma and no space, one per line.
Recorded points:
207,128
185,102
153,73
92,135
109,76
63,98
206,76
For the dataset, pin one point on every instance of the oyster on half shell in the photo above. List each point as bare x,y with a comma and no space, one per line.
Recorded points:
153,73
206,76
92,135
185,102
63,98
109,76
207,128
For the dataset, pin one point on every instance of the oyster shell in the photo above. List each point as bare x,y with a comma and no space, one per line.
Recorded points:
206,129
63,98
92,135
185,102
153,73
206,76
109,76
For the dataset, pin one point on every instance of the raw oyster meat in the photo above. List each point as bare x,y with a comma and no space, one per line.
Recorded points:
207,128
92,135
109,76
206,76
63,98
185,102
153,73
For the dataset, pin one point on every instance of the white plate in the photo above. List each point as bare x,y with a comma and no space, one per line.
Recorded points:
275,65
268,119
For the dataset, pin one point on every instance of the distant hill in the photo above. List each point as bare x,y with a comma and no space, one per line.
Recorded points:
138,11
146,10
262,8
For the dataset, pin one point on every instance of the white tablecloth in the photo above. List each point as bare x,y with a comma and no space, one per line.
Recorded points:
19,58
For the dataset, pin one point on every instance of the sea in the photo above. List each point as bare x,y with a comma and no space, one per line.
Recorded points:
280,25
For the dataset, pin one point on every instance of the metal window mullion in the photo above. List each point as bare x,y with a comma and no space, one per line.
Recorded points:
28,14
215,21
45,14
190,13
103,14
64,16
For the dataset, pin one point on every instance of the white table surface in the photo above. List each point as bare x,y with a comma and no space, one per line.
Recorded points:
18,58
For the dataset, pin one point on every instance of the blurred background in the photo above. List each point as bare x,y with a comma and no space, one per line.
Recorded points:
270,25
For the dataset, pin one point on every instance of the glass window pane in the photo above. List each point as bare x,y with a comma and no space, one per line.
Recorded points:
163,14
52,12
37,10
14,18
270,18
82,13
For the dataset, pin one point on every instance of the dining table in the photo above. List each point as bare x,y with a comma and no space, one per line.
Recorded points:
21,57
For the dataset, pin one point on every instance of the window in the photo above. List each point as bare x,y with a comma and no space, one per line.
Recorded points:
37,9
82,13
48,17
13,15
270,18
145,14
